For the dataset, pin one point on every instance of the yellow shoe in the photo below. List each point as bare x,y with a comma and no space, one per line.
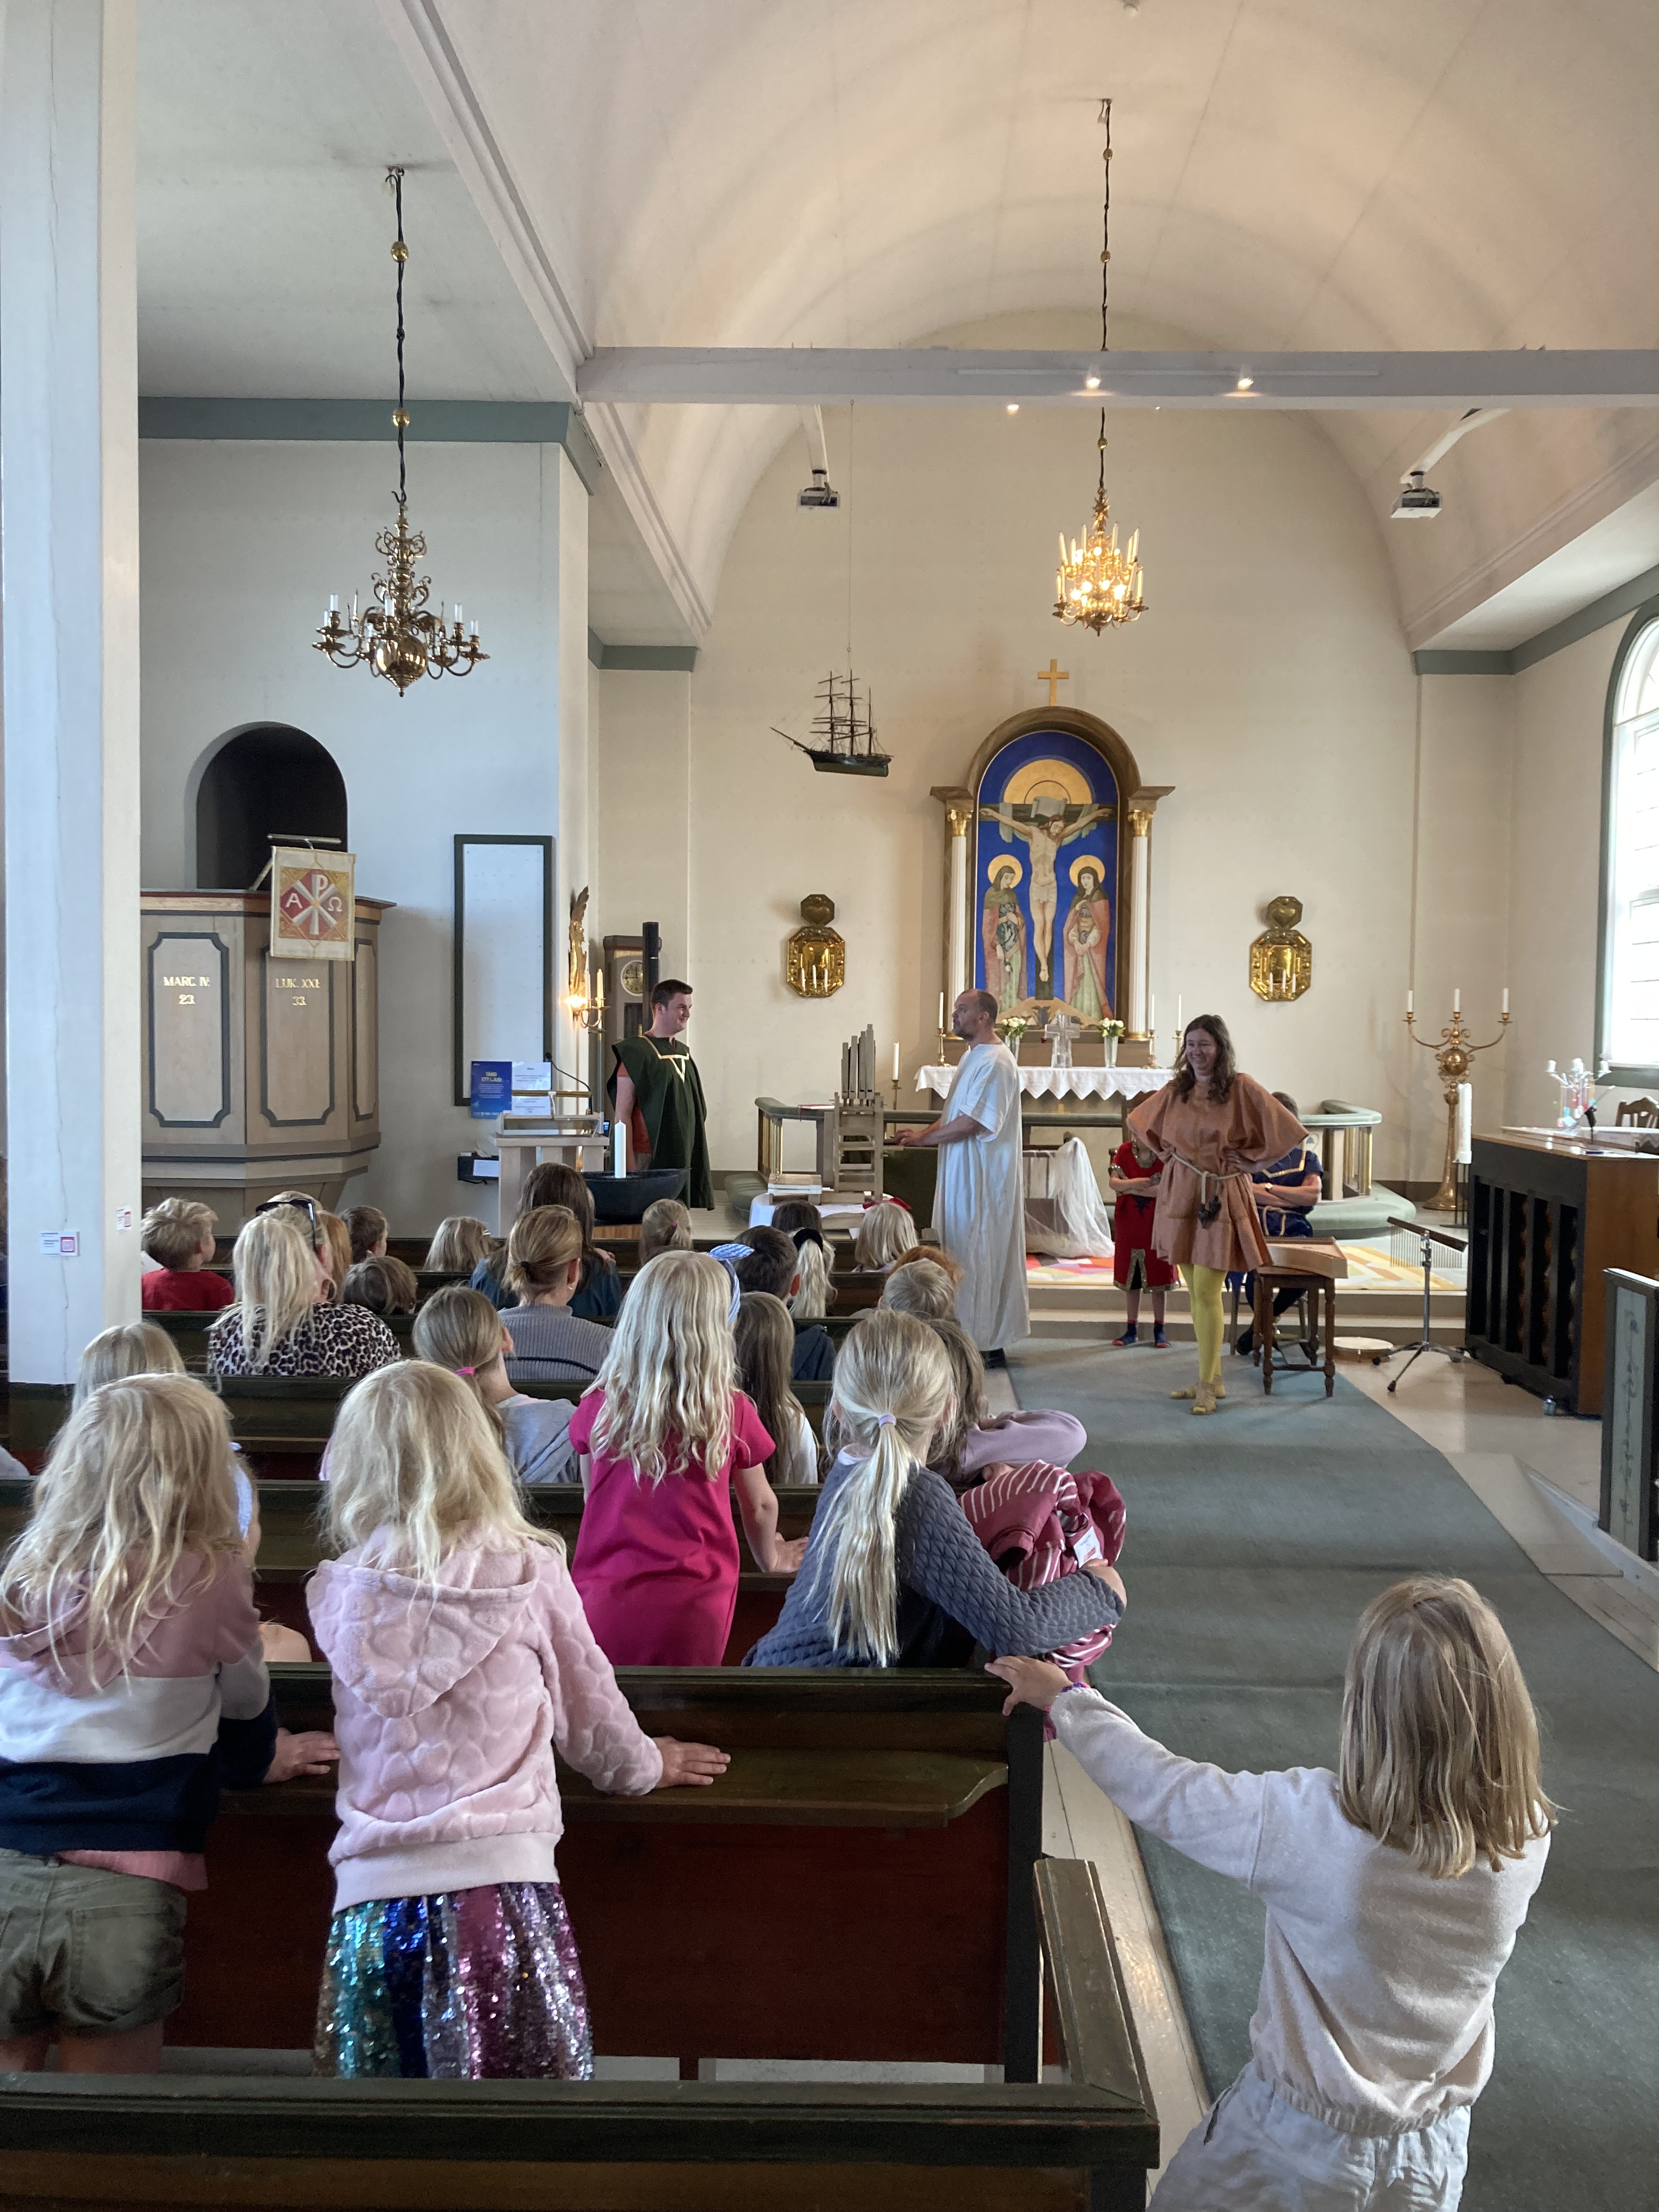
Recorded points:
1204,1402
1191,1391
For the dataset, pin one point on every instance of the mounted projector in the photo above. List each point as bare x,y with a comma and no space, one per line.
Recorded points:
819,493
1418,501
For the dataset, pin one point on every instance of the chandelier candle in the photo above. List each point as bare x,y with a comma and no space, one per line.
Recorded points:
400,638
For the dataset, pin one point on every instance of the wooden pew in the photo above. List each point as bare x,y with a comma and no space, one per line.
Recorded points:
282,1424
671,1894
1084,2143
290,1517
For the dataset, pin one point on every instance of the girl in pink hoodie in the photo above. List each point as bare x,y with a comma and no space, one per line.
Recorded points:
462,1660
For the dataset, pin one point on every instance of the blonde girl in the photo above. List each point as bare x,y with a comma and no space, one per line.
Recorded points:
461,1241
765,1341
894,1577
665,1227
281,1323
666,1435
812,1301
885,1230
458,1329
462,1663
1395,1888
132,1347
131,1685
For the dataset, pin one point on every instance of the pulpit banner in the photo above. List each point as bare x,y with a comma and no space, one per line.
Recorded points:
311,903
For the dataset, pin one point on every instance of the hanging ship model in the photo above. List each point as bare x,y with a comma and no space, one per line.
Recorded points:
843,739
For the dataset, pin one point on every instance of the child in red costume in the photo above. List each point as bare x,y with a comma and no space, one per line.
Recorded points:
1135,1176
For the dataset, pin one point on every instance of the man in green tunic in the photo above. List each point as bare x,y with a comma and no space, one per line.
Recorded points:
657,1095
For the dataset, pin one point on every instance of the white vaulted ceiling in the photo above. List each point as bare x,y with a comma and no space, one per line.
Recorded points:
1290,174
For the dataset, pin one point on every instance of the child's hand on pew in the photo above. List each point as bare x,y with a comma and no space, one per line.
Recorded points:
1032,1681
688,1765
285,1643
312,1751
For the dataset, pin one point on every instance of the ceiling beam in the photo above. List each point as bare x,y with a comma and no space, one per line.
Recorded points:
825,375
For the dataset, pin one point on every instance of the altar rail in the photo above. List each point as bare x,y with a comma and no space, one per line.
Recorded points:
1346,1134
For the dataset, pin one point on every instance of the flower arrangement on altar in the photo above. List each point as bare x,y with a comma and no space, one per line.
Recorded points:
1011,1029
1110,1031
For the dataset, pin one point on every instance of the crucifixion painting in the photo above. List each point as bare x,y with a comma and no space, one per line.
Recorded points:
1053,794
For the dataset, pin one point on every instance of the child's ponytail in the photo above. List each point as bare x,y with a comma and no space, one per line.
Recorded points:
892,1388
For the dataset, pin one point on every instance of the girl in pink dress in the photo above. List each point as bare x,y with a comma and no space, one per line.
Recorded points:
665,1435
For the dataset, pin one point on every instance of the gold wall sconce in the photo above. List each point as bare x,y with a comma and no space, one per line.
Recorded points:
815,957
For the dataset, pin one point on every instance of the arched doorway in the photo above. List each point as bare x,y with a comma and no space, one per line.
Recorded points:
266,779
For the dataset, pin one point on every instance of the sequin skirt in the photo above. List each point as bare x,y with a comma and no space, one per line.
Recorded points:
471,1985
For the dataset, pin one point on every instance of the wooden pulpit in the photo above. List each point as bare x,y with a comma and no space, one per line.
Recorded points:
259,1073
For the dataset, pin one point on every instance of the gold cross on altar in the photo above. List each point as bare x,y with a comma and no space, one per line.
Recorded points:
1054,676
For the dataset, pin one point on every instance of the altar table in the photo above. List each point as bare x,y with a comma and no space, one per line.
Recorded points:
1064,1082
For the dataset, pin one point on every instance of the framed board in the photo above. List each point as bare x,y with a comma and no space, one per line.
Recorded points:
504,951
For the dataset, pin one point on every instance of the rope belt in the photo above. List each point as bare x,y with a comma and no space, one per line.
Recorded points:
1209,1207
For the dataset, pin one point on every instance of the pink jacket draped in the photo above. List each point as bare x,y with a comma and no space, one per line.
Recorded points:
450,1699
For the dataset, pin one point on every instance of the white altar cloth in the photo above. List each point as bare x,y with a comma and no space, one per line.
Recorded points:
1065,1082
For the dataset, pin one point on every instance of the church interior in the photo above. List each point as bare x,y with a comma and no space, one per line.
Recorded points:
528,567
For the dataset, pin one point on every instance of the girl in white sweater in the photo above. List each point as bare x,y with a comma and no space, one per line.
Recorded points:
1393,1887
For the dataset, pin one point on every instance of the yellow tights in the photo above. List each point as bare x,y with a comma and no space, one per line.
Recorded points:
1204,1286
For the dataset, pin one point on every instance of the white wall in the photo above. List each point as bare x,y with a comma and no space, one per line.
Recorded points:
241,545
1268,683
1462,913
1555,854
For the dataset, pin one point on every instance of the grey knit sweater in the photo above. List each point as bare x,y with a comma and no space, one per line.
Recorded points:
943,1570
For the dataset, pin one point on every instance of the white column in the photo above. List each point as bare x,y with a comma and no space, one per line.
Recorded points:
564,501
1140,885
958,976
69,559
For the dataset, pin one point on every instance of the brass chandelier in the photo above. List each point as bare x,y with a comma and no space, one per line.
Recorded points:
1097,582
400,638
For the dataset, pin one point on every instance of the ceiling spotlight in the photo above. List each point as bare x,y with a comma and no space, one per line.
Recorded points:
1418,501
819,493
1013,406
1092,384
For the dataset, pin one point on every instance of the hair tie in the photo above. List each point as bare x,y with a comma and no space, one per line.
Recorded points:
466,1371
887,1421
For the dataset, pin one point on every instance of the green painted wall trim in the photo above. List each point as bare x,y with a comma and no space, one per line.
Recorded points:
368,423
658,659
1621,600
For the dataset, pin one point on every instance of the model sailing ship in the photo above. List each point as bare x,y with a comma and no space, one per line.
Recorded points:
844,740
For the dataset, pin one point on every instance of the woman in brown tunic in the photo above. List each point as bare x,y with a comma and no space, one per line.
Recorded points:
1210,1126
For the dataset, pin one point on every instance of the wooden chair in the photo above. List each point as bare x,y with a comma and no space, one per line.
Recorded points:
1310,1267
1637,1114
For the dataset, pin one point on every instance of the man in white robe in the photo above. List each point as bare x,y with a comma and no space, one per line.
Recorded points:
979,1206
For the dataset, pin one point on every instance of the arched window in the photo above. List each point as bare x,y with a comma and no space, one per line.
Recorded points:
269,779
1630,937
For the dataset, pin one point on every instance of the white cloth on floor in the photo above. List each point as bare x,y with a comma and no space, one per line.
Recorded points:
979,1205
1374,2008
1081,1226
1256,2151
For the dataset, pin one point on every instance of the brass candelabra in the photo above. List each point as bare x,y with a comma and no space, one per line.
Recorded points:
1454,1056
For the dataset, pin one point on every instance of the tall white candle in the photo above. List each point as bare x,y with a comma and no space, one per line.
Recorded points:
1457,1002
941,1010
1152,1021
1506,997
1181,1026
896,1059
1409,997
